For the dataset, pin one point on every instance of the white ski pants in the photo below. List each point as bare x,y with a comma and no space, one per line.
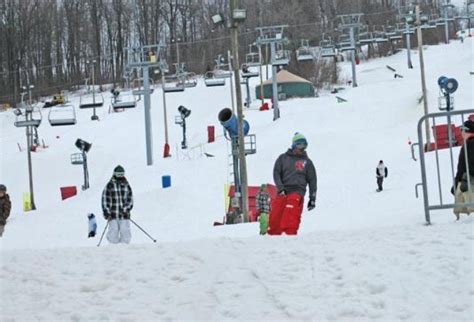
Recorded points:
119,231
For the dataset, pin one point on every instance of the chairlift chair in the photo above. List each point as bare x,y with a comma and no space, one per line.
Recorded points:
303,53
124,100
222,73
392,33
365,38
172,84
62,115
91,100
246,73
282,58
252,59
35,120
188,80
211,81
327,49
380,37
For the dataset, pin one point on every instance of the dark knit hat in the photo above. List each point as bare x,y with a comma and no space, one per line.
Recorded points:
3,188
468,126
119,171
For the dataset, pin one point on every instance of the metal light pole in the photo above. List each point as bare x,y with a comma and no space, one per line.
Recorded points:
167,146
353,53
229,60
408,40
29,135
423,81
240,115
276,109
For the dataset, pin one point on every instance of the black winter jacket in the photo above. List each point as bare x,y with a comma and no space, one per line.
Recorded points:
5,207
293,172
117,199
462,160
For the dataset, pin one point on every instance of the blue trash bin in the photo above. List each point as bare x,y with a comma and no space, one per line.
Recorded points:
166,181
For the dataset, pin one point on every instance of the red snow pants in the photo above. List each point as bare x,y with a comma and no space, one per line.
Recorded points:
285,214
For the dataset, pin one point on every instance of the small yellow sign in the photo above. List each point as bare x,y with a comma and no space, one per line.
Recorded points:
26,201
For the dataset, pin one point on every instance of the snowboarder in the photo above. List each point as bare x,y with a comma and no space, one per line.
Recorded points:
117,202
263,206
292,172
92,225
5,207
381,172
461,191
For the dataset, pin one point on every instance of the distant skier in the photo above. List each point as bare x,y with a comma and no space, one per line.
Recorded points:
117,202
292,172
381,172
462,192
5,207
263,206
92,225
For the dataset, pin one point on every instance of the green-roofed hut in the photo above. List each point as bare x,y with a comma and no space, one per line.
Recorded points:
289,84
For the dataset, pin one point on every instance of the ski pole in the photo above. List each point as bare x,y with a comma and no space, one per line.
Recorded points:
154,240
100,241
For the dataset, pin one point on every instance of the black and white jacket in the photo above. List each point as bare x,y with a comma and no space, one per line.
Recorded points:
381,171
117,199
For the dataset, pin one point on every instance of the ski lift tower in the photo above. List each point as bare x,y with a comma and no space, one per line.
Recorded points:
144,58
351,22
273,35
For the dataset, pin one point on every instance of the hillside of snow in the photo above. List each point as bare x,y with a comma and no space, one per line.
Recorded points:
359,255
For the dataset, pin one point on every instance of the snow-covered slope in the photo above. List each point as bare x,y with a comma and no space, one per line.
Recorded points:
360,254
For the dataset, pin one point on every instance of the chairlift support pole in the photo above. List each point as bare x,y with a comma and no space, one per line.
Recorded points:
422,70
231,67
29,133
353,62
261,75
408,41
94,116
240,114
164,109
276,109
148,129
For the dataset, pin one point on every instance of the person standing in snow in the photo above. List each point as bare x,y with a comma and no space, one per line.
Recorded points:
381,172
5,207
92,225
292,172
117,202
263,206
460,190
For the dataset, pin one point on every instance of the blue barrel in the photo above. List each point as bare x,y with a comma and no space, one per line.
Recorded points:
166,181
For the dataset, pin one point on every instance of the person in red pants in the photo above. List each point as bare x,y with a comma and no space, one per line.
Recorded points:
292,172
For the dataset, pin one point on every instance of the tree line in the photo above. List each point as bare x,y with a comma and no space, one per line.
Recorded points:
50,43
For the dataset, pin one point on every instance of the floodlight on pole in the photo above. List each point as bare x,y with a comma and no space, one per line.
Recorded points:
84,147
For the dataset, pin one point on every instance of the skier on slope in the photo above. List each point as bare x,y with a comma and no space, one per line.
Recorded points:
461,191
263,205
292,172
117,202
5,207
381,172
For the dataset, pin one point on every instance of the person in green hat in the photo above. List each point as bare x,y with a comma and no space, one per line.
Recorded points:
263,206
117,202
293,171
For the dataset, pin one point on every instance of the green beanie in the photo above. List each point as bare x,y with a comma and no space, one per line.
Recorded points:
119,171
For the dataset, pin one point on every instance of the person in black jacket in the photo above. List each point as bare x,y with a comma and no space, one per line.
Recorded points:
117,202
292,172
381,172
461,190
5,207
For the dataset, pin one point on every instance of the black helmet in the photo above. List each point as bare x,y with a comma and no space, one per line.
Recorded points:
3,188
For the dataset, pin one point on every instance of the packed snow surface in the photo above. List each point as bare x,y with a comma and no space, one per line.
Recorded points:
360,255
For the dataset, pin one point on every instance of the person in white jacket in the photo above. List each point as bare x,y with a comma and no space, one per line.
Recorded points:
381,172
